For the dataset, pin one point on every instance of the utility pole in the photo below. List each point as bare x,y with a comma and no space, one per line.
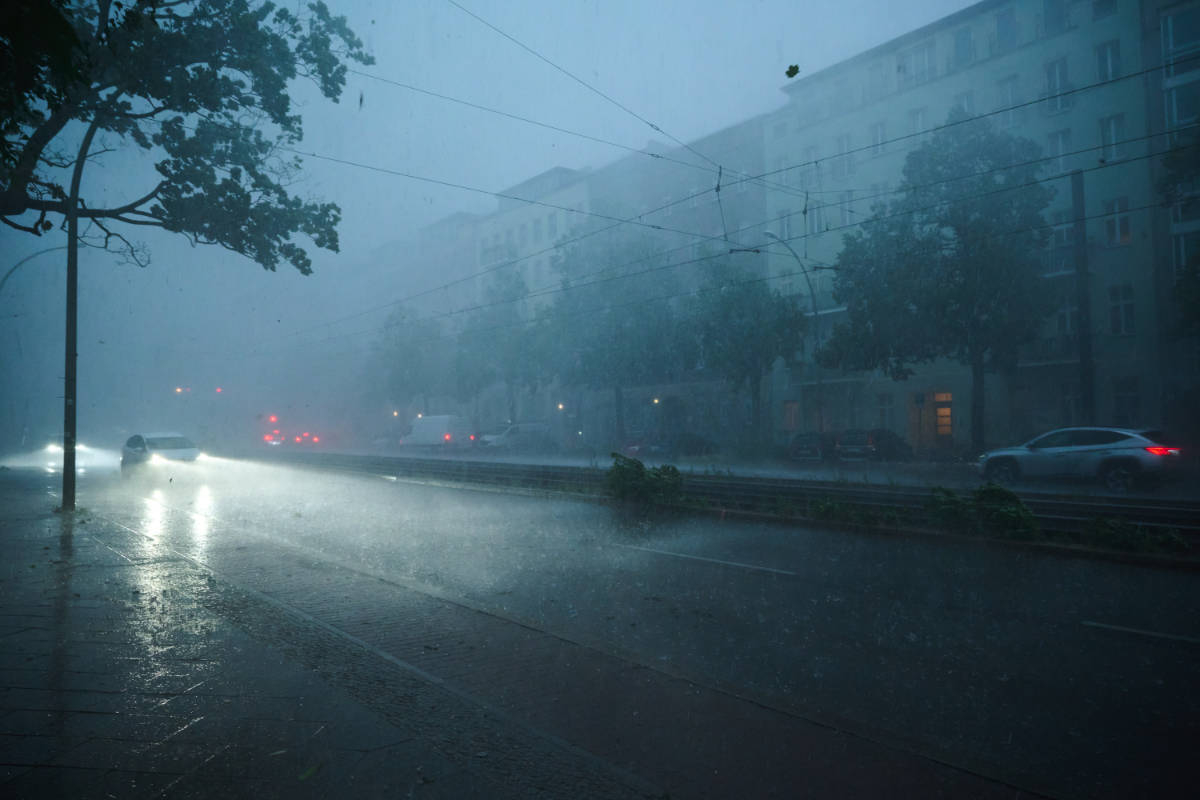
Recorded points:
1083,301
812,296
69,387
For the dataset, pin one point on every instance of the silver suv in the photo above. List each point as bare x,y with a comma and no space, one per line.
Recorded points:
1117,456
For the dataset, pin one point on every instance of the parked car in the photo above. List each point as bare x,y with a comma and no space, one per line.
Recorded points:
149,449
877,444
681,444
811,447
1118,457
854,444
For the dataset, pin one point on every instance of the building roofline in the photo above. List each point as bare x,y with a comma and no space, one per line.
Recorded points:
795,87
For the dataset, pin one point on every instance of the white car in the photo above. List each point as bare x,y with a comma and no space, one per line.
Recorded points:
1117,456
147,449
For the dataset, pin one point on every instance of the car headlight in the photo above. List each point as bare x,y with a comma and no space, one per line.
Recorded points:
155,458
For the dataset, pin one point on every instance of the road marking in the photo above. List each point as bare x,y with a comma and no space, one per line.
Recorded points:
711,560
1155,634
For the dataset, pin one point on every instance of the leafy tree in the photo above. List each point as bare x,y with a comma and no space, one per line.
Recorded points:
742,326
415,359
496,342
40,57
202,85
952,267
613,326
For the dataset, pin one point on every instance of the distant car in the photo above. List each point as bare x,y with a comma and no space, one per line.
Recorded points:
854,444
524,437
878,444
438,431
811,447
147,449
1118,457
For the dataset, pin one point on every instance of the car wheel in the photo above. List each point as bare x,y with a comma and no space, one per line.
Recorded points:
1002,472
1117,477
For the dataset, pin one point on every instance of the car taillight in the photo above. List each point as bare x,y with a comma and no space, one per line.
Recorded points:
316,438
297,438
1163,451
446,436
472,437
266,437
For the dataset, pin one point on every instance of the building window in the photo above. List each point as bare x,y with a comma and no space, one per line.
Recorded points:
1103,8
878,135
782,171
1112,134
1126,402
785,224
1120,309
964,48
1116,225
537,230
811,174
965,102
1054,16
916,66
523,235
943,414
917,125
843,163
1058,145
1185,249
1006,30
552,225
1056,85
1181,41
1183,104
887,412
1006,105
1108,60
814,220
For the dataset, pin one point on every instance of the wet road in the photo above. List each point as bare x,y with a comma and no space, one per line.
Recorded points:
1059,675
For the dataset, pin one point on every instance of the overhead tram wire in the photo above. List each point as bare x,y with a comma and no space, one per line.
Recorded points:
581,81
704,237
546,291
609,307
987,114
781,187
707,238
533,294
636,219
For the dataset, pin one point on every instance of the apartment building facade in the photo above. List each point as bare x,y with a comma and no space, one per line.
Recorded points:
1073,77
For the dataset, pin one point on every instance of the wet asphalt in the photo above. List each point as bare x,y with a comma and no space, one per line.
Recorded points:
171,637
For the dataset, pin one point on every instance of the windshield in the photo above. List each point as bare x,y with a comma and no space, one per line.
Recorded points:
170,443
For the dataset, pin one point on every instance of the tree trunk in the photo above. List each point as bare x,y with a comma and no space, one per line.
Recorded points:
978,399
619,410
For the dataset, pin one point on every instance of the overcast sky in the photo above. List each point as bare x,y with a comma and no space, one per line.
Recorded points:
205,316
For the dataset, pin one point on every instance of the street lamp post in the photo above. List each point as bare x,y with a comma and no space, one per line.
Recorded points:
812,296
